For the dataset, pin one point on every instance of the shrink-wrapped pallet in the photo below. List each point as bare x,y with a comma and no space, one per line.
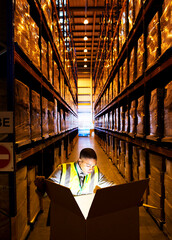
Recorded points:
55,117
168,165
131,67
121,83
44,62
56,33
166,26
116,151
22,25
153,112
138,5
50,62
110,120
47,10
110,92
116,119
125,73
152,41
140,117
135,163
20,221
35,116
106,120
168,219
115,49
22,114
142,164
140,56
115,86
130,14
126,119
51,118
122,30
121,125
34,43
132,118
45,117
63,123
168,188
58,121
56,77
34,205
168,113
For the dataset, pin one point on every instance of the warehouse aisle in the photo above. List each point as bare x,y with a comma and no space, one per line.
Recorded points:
148,228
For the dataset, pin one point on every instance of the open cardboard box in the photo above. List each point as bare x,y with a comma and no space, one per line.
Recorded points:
111,213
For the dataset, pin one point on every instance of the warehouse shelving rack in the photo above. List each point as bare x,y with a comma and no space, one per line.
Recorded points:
39,157
119,143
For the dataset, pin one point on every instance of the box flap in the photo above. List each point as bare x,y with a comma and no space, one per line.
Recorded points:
84,202
62,195
118,197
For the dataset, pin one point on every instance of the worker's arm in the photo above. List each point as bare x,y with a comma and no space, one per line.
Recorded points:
56,175
104,182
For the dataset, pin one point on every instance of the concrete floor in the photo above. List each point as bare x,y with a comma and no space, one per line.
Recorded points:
148,228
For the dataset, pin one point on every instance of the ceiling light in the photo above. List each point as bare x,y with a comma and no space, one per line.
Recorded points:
85,59
86,21
85,50
85,38
85,65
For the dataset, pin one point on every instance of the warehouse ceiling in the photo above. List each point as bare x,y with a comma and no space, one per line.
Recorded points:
94,11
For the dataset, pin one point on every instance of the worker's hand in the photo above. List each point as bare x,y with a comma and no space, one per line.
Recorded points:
40,183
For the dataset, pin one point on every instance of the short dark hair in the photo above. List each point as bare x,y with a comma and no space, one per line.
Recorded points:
88,153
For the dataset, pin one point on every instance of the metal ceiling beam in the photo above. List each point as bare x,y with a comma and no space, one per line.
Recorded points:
83,30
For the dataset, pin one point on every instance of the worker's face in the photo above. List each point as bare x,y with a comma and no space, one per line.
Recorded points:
87,164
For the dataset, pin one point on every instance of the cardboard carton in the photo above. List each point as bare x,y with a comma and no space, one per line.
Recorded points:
111,213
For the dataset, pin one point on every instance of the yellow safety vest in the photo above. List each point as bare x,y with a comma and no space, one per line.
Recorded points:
70,179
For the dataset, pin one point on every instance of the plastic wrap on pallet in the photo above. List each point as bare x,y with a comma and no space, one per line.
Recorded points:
140,117
58,121
138,5
142,164
22,113
166,26
33,198
35,116
153,110
115,86
110,92
127,164
106,120
56,33
22,25
121,125
62,116
116,151
131,67
122,30
116,119
50,62
34,43
156,182
110,120
126,119
140,56
125,73
56,77
130,14
132,117
152,41
156,161
44,57
168,219
45,117
168,165
168,113
51,118
47,10
122,158
115,49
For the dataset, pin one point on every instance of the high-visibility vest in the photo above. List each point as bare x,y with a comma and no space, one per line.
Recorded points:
70,179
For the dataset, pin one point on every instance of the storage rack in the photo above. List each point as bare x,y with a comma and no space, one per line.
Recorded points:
20,204
131,120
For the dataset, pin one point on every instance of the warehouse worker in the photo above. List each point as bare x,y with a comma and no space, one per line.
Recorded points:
81,177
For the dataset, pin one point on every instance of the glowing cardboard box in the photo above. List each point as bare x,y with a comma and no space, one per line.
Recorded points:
112,213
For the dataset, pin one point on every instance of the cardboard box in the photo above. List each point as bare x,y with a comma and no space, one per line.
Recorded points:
103,216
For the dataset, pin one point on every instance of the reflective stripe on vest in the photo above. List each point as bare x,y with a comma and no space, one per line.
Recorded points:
70,178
